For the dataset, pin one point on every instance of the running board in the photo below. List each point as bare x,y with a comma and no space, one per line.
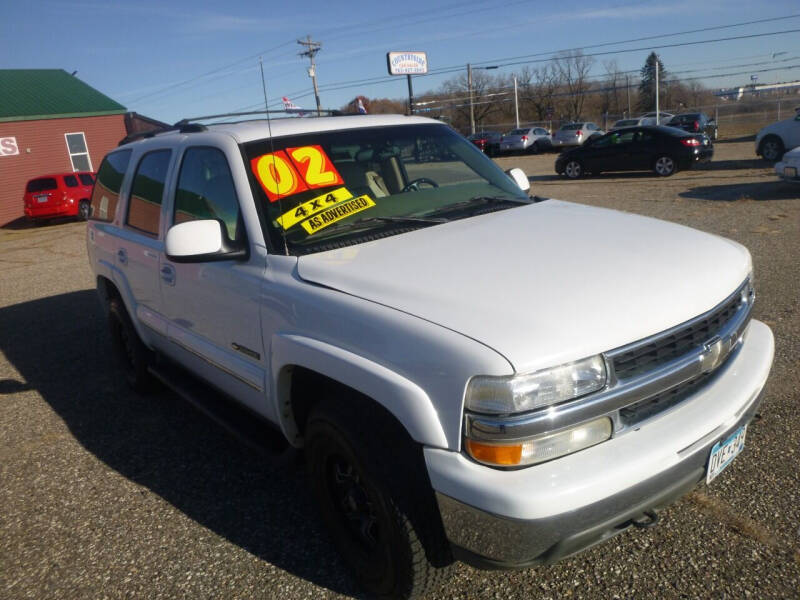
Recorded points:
248,428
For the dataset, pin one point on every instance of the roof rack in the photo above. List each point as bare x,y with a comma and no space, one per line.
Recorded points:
191,125
311,112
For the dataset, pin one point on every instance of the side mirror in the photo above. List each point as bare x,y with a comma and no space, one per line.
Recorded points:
200,241
519,177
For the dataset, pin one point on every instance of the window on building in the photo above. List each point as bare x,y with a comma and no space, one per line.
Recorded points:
78,151
206,190
144,207
105,195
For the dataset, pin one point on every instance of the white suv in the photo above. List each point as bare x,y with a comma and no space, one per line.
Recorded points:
473,374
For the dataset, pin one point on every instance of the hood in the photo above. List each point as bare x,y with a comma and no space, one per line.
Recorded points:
542,284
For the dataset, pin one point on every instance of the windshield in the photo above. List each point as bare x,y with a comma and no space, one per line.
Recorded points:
314,188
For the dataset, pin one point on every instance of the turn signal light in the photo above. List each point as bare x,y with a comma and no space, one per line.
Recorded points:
494,454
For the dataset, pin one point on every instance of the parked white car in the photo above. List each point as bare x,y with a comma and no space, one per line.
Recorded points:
776,139
788,168
467,378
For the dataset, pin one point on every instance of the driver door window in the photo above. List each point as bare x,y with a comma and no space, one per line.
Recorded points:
206,191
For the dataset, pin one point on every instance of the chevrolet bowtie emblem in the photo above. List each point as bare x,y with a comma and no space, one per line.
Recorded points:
713,354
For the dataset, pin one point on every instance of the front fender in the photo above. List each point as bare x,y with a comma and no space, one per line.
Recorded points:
403,398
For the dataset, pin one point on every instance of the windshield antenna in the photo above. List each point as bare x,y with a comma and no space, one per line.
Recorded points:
272,148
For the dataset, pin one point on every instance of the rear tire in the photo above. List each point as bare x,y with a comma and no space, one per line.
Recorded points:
374,496
772,148
664,166
83,210
134,357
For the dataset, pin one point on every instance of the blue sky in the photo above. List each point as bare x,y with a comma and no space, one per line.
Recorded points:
170,60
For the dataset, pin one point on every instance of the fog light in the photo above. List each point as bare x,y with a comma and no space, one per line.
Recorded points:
541,448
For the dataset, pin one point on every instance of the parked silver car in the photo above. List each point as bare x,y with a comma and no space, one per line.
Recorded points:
650,118
575,134
634,122
526,139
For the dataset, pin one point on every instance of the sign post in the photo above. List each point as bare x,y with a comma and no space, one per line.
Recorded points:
408,64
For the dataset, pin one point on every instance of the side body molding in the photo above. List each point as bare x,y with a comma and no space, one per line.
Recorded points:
401,397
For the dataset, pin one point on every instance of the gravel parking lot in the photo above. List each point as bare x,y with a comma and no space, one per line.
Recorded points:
104,493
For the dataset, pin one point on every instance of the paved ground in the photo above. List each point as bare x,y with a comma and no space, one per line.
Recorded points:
104,493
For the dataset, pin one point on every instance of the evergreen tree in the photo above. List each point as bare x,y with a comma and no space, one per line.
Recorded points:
647,88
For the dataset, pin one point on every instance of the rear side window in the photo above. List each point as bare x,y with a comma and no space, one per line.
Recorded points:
206,191
105,195
86,179
71,180
41,185
144,207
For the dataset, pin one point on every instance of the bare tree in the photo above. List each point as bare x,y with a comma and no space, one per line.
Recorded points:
573,70
484,95
538,90
610,91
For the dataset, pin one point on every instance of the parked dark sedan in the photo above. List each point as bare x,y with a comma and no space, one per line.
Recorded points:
695,123
662,149
487,141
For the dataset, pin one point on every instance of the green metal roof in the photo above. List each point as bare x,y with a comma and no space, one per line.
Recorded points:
30,94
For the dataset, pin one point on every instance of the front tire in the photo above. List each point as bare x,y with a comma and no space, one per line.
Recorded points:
134,357
664,166
377,505
772,148
573,170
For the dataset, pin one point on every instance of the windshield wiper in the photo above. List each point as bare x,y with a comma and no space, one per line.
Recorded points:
475,202
339,227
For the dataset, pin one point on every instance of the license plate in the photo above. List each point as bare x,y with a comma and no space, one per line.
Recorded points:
42,198
723,453
790,171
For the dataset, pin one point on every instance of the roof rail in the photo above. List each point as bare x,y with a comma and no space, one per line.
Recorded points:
311,112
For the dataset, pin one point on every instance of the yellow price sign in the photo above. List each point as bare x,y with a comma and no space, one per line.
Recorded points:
312,207
335,213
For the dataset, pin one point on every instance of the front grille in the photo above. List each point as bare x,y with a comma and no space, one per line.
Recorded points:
646,357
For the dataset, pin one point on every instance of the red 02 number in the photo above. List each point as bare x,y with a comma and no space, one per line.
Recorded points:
277,176
314,166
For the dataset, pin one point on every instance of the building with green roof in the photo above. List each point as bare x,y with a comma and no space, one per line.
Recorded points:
50,122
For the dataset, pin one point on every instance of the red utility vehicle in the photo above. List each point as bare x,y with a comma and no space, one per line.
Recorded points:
59,195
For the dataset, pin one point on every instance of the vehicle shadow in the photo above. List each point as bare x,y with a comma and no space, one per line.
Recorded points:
734,165
60,347
765,190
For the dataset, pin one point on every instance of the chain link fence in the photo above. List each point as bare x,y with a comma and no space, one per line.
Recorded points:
734,119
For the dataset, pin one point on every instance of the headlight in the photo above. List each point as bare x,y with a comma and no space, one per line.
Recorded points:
543,447
529,391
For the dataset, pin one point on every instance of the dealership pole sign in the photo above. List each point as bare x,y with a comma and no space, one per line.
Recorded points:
408,64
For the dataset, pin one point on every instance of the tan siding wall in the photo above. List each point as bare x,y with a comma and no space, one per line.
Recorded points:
43,150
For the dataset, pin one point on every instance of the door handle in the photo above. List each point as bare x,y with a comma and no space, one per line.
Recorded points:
168,274
122,256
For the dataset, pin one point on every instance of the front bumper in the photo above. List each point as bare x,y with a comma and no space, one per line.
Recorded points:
780,171
540,514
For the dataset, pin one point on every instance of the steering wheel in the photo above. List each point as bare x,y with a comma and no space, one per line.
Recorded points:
414,185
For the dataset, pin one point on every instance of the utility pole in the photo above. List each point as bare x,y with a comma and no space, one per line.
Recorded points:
516,102
311,49
628,89
657,115
471,106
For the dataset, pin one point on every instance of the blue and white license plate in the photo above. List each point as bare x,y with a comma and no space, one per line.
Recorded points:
723,453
